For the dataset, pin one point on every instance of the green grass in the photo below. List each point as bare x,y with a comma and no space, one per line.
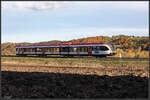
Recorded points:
73,60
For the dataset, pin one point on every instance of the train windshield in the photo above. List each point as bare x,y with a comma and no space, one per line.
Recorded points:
112,47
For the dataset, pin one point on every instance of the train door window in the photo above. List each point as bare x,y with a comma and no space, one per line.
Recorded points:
103,48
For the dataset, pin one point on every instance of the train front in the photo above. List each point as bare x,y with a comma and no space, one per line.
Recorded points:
113,50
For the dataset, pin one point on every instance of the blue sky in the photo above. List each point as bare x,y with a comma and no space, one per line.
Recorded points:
44,21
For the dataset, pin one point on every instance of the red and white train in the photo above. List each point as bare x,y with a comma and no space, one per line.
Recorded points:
83,49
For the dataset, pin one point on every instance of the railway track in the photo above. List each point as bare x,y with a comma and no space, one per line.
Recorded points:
81,57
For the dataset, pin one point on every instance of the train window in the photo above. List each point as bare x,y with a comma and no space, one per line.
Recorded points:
74,49
85,49
94,48
103,48
54,50
48,49
82,49
25,50
57,49
64,49
70,49
39,49
30,50
33,50
78,49
51,49
16,49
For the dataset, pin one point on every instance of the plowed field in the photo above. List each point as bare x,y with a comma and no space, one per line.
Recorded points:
23,80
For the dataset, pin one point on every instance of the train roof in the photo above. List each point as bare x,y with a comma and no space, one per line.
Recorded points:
63,44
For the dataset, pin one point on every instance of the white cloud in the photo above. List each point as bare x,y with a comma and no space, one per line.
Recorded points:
45,5
132,5
34,5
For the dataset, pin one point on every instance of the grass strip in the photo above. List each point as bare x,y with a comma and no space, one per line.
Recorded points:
73,60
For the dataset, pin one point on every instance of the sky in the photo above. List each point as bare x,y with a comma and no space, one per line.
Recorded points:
36,21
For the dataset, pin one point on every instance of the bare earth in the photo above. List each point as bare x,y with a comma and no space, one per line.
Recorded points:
103,81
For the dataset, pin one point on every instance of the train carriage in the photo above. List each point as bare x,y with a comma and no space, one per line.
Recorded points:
83,49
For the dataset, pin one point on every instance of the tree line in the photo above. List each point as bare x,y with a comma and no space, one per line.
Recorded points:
122,42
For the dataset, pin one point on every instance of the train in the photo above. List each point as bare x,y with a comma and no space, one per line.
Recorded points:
68,49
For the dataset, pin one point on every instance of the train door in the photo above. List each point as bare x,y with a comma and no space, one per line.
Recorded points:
35,51
22,51
43,51
18,50
60,50
89,51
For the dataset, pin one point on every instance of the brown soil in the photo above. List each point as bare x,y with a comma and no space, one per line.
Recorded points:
107,81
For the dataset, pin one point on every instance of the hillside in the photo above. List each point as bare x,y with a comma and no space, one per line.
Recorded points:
135,46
